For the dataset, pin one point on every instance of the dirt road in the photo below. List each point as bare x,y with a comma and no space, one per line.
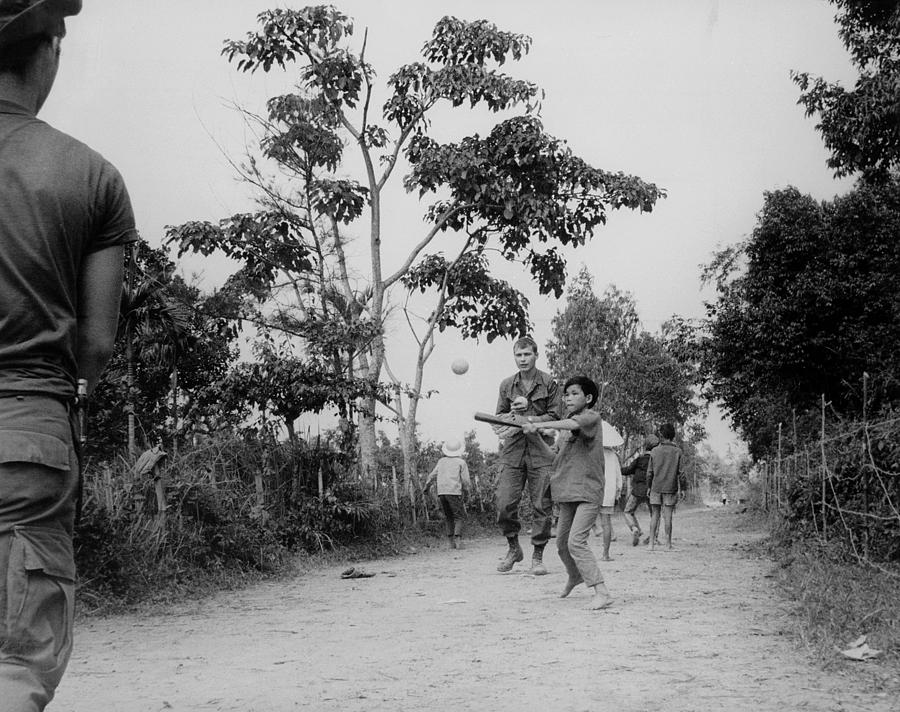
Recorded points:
697,629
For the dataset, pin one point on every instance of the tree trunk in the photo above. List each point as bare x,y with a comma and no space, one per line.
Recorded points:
366,437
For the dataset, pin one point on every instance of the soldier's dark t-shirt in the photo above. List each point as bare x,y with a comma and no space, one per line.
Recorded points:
59,201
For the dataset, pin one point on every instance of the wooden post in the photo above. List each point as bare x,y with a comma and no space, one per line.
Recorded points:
824,472
794,420
394,485
320,482
260,490
778,472
867,531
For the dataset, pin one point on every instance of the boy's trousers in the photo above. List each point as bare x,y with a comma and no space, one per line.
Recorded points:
454,512
573,529
38,488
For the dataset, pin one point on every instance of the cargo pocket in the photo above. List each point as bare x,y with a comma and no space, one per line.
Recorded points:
40,600
38,448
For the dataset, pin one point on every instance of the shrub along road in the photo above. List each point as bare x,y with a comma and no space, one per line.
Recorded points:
698,629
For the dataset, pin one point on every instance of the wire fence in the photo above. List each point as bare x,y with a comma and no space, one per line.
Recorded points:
843,487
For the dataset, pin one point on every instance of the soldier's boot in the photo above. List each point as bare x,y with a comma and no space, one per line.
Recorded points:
513,555
537,562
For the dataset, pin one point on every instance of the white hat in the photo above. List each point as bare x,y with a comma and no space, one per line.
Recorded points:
453,448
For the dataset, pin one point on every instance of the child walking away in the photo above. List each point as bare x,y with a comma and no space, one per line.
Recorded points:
577,485
636,472
452,476
663,478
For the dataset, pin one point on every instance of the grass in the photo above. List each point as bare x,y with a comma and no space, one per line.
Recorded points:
836,601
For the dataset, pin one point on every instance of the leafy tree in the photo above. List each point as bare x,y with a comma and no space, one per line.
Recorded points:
861,126
279,384
168,352
643,384
516,192
806,307
592,334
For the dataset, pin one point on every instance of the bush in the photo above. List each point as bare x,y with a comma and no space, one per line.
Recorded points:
341,516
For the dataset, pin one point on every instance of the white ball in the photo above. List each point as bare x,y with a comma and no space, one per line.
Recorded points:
459,366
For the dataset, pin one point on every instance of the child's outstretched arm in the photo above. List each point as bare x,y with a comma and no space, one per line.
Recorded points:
564,424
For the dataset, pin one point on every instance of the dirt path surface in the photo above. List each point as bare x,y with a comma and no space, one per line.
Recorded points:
695,629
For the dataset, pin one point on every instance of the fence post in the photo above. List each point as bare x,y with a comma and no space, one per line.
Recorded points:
394,483
778,472
824,472
867,532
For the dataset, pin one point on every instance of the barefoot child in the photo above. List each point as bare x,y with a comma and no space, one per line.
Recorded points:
612,475
636,474
452,476
577,485
663,480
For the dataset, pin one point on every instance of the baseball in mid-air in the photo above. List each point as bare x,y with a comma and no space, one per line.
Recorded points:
459,366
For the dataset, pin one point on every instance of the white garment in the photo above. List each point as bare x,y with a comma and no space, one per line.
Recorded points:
613,475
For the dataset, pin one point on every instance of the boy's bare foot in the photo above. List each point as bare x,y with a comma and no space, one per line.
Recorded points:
606,557
600,598
570,584
598,603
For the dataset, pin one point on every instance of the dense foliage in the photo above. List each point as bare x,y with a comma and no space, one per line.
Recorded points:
808,306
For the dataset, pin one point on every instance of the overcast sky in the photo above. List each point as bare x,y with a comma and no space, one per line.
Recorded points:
693,95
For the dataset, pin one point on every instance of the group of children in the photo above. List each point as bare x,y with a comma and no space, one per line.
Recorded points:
587,480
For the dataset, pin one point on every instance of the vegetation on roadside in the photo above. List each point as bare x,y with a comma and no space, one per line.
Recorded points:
836,601
231,510
800,349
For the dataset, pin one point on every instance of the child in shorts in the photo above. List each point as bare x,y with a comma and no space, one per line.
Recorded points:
636,476
663,479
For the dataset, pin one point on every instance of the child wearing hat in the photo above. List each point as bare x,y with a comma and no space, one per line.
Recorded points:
452,477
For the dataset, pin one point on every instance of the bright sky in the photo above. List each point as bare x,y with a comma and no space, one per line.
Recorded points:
693,95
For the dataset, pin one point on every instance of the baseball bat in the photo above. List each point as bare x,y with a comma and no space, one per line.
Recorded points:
495,420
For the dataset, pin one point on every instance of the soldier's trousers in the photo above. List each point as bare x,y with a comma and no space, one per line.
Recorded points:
38,488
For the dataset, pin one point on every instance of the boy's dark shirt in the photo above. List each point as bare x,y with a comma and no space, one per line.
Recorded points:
637,470
664,468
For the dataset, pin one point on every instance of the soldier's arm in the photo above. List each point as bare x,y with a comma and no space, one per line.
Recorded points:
99,294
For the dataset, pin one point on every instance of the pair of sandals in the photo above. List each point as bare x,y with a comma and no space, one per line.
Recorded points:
354,573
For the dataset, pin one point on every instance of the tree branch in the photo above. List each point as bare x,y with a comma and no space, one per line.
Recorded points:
441,221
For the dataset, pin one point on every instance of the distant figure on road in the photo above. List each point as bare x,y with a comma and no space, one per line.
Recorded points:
451,473
635,474
64,218
525,457
577,486
663,476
